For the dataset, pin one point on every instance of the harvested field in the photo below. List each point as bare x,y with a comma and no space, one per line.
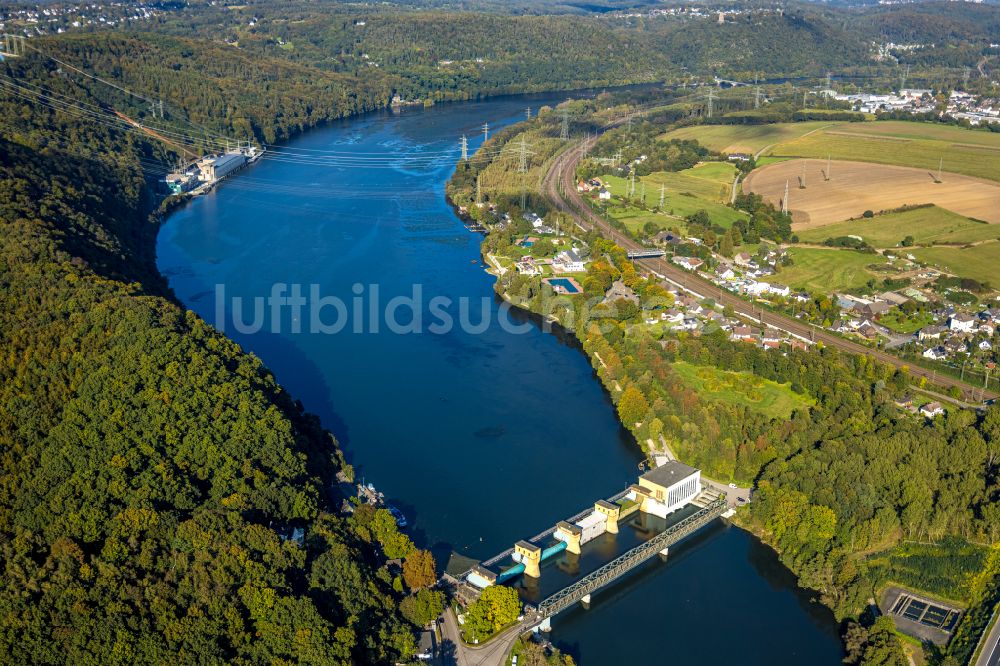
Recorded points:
855,187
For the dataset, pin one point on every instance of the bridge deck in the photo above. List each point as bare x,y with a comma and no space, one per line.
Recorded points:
625,562
563,569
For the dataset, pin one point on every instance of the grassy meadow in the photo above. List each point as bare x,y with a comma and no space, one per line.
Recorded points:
979,262
742,388
825,270
928,225
745,138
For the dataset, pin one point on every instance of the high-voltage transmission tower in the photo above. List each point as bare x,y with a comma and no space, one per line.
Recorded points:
12,45
465,149
486,132
784,200
965,77
663,193
564,128
902,78
522,158
756,93
711,99
156,108
527,113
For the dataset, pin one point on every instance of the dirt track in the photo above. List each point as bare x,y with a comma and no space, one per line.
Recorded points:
855,187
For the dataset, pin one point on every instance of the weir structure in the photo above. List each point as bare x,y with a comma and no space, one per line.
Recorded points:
566,563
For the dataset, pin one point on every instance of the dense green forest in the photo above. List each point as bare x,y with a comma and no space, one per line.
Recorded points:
487,48
151,472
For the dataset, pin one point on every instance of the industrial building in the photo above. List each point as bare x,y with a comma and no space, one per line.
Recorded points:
179,182
669,487
217,168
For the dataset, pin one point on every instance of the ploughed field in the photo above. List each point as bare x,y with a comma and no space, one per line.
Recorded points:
855,187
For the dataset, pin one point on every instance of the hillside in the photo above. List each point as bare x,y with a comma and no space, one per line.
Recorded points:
152,471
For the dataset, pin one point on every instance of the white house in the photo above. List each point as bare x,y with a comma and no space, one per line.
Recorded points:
963,322
690,263
779,289
757,288
936,353
932,409
604,195
568,261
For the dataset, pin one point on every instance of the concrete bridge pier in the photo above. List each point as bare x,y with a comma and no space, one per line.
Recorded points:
545,626
664,553
585,601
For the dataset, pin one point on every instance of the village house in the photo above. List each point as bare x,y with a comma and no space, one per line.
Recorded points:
779,289
745,334
568,261
874,310
743,259
932,409
956,345
725,273
690,263
930,333
604,195
935,353
963,322
619,291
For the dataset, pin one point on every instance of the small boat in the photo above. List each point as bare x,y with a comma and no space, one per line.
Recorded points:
398,515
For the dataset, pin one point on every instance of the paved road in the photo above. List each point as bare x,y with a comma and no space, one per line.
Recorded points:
990,656
733,495
559,186
456,653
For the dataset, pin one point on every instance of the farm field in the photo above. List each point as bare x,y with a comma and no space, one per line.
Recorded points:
742,388
979,262
745,138
704,187
927,225
855,187
822,270
910,144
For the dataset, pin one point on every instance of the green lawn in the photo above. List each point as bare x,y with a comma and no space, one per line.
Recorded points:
718,172
742,388
911,144
685,194
927,225
900,323
979,262
828,270
745,138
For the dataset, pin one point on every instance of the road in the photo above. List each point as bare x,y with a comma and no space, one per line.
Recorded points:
559,186
990,656
493,653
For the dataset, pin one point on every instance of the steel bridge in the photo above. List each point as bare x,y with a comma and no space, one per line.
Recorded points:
645,254
621,565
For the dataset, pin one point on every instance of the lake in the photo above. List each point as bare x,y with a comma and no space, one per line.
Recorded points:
483,432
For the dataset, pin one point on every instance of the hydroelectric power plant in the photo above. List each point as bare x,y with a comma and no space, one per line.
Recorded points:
566,563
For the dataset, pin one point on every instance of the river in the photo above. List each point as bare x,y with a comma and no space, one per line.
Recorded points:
481,437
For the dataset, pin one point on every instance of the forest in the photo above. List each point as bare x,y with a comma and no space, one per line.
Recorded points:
153,476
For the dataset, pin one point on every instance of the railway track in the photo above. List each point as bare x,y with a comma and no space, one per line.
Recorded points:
559,186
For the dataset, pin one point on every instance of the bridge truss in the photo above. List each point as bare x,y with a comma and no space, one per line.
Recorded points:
624,563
